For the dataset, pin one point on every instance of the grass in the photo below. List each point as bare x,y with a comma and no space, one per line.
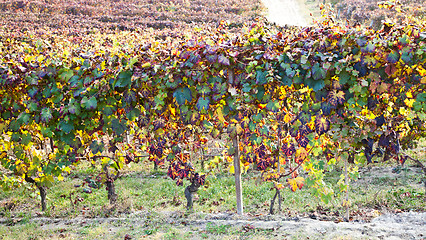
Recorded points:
159,204
142,189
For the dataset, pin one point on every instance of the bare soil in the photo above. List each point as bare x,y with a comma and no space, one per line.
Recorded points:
408,225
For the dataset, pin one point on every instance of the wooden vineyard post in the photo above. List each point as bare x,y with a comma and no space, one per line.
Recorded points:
347,190
202,159
237,174
277,191
279,165
237,164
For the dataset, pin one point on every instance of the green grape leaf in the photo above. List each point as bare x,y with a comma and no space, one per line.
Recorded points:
370,47
24,118
26,139
207,125
260,93
74,109
97,147
133,114
67,127
393,57
252,126
403,40
421,97
407,55
315,85
118,127
129,97
344,77
123,79
215,133
66,74
318,73
258,117
46,114
14,125
89,104
246,87
203,103
261,77
273,106
46,132
182,95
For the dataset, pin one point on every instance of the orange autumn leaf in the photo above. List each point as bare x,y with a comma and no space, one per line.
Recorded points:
261,106
296,183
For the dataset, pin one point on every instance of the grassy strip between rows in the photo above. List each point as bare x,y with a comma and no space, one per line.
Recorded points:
152,192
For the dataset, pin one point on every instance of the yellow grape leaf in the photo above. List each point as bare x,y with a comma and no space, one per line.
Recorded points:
146,65
66,53
105,160
279,186
371,116
423,80
60,178
409,95
29,58
287,118
421,71
172,110
346,203
103,64
282,160
40,58
409,102
282,93
239,129
304,90
300,182
301,155
220,114
216,160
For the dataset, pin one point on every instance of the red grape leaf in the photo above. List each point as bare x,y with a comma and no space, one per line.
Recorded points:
336,97
322,125
223,60
288,149
390,69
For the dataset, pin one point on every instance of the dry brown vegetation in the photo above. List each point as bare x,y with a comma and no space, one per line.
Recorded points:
111,15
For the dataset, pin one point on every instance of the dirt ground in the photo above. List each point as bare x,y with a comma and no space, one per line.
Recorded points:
408,225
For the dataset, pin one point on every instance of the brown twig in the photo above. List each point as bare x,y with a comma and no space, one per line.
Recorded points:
298,165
